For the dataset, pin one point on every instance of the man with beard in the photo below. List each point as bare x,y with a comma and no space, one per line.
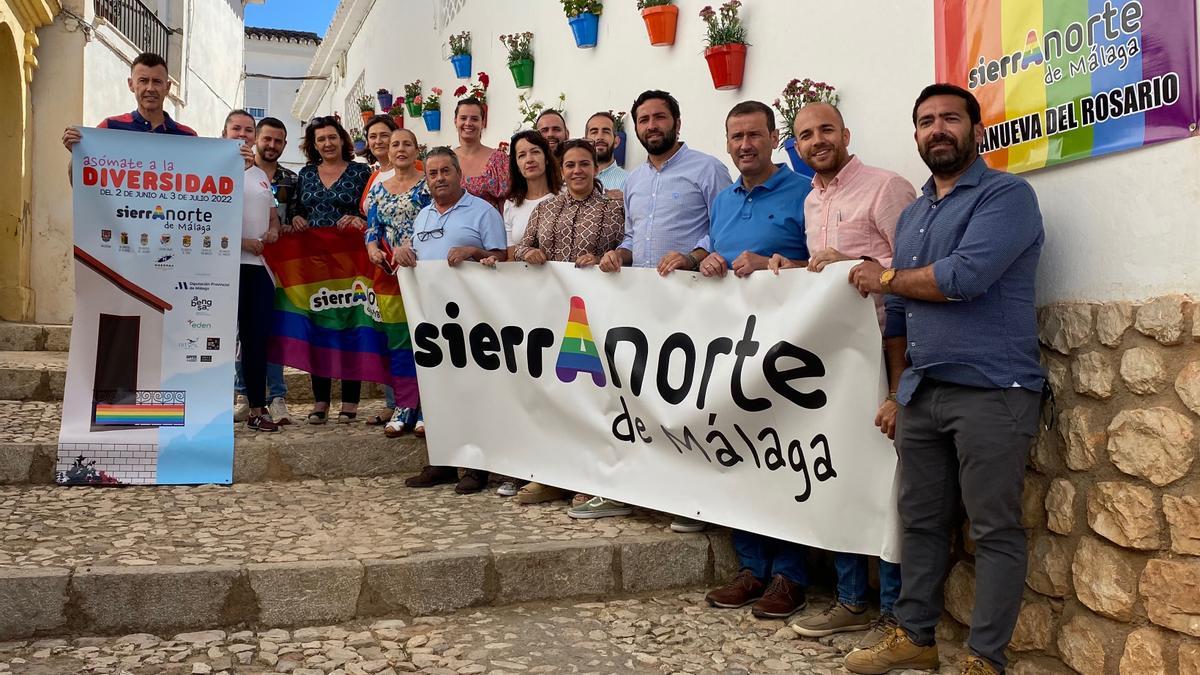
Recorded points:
960,309
150,84
456,227
601,131
553,127
269,141
850,213
760,215
668,201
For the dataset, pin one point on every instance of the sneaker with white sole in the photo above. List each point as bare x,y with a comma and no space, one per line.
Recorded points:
686,525
599,507
837,618
399,424
242,412
279,412
508,488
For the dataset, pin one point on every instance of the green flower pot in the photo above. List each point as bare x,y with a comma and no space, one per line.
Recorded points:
522,72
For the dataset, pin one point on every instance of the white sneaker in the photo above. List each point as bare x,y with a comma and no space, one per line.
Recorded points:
508,489
279,411
242,413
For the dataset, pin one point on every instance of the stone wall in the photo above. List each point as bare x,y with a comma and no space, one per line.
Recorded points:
1112,499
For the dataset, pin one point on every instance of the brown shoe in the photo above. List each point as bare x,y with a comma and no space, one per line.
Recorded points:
537,493
473,480
894,652
781,599
977,666
880,628
432,475
743,590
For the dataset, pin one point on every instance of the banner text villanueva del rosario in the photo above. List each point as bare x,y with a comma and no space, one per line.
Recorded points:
1060,80
157,232
744,402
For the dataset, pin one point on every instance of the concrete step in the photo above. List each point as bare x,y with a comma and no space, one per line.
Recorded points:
29,447
31,337
40,376
163,560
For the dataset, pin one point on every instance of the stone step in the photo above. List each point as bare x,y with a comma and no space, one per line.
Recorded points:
168,559
31,337
40,376
29,447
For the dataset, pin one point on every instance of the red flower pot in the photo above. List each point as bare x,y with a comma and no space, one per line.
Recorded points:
660,24
727,63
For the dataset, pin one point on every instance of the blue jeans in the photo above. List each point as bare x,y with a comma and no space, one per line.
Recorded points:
852,581
276,387
765,557
389,397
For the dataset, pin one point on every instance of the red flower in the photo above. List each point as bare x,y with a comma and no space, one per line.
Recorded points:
484,79
459,92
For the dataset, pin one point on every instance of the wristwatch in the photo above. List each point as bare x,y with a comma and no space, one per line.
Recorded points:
885,279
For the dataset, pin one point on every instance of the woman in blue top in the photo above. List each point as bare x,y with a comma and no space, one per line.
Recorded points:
392,206
329,188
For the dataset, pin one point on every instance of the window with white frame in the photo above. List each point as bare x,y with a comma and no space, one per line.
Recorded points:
444,12
350,116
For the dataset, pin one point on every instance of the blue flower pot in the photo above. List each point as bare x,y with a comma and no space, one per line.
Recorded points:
433,120
619,152
462,66
798,164
586,28
385,101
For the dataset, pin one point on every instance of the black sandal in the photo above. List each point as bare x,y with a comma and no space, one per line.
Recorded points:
346,417
317,417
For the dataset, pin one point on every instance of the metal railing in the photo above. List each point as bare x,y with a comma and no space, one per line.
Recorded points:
137,22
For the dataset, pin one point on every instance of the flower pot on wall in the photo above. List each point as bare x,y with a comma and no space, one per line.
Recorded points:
462,66
399,120
360,147
727,63
586,28
798,164
522,72
660,24
366,116
414,109
433,120
619,151
385,101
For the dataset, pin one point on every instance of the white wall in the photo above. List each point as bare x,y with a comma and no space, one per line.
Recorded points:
289,59
1118,227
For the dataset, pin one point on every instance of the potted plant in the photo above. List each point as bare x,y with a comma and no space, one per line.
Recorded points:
460,54
726,38
661,18
476,90
412,92
366,107
619,130
360,143
520,57
432,110
530,110
397,112
385,99
796,95
584,18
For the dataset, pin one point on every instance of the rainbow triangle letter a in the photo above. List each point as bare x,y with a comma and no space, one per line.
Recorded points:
578,353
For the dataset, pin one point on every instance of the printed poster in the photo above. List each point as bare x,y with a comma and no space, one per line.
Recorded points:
148,396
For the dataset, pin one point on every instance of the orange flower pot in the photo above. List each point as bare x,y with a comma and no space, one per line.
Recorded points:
660,24
727,63
367,115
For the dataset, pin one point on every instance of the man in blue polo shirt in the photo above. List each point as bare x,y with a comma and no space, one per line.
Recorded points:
150,84
960,310
456,227
760,215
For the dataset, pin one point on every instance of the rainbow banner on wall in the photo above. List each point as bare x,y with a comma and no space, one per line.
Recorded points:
338,315
1061,80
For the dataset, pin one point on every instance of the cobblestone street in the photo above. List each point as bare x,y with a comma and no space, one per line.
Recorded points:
661,634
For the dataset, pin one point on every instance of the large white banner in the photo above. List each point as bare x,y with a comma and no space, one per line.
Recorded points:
158,223
744,402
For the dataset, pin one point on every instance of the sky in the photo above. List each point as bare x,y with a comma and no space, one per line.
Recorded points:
306,15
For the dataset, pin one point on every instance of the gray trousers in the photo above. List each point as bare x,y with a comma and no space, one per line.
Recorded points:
965,443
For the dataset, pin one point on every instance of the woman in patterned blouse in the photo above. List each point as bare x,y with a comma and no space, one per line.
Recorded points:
577,226
392,206
329,189
484,169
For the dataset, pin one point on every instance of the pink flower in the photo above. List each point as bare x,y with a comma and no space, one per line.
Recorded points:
707,13
437,91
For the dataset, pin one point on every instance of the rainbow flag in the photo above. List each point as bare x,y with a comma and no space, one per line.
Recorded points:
1061,80
337,314
131,414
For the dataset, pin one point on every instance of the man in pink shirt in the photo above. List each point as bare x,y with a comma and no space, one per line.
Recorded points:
850,213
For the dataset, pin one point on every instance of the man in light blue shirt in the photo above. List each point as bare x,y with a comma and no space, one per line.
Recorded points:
602,132
457,226
667,199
